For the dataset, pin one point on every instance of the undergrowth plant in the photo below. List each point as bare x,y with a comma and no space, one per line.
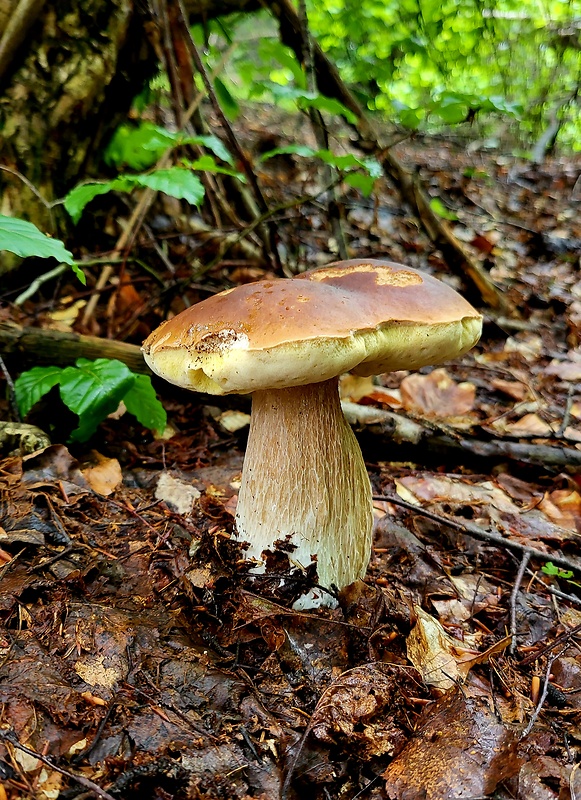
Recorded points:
93,390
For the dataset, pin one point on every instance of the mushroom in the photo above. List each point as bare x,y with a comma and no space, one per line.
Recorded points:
304,483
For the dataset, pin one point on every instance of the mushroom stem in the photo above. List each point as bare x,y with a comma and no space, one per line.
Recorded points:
304,483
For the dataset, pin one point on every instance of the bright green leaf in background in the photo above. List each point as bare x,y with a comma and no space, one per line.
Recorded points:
141,146
178,182
440,209
24,239
92,390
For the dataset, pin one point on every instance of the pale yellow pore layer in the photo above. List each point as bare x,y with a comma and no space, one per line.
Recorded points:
304,482
236,367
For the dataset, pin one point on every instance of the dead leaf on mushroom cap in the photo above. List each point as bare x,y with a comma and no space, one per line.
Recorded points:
437,395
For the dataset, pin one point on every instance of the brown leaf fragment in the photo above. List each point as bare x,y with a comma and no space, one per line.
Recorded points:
441,659
437,395
104,474
516,390
360,707
563,507
462,750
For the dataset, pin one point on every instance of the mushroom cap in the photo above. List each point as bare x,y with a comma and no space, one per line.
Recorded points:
364,315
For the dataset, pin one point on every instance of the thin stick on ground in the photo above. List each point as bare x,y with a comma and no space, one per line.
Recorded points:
543,696
479,533
514,598
10,736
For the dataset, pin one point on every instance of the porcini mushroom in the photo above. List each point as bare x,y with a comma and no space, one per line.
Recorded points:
304,482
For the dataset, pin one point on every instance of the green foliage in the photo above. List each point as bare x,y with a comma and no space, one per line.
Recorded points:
361,173
25,239
92,390
176,181
557,572
440,209
426,64
141,146
434,62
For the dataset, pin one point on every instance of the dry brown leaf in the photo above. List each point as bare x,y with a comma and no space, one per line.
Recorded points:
529,425
563,507
179,495
515,389
438,489
437,395
569,370
441,659
105,476
462,749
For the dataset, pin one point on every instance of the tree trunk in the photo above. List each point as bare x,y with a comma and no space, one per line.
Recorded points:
69,70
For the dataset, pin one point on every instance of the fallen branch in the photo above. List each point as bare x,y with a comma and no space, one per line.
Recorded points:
438,438
469,529
44,346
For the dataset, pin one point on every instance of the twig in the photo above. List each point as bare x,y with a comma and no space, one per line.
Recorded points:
28,183
141,209
564,637
37,283
469,529
514,597
11,390
10,736
543,696
230,135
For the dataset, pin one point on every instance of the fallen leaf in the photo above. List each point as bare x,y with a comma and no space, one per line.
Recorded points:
105,476
179,495
569,370
529,425
563,507
437,395
516,390
461,750
436,489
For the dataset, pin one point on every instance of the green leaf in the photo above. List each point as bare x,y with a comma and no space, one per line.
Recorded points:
550,569
77,198
33,384
138,147
142,402
94,389
328,104
208,164
175,181
358,180
227,100
25,239
76,268
292,149
440,209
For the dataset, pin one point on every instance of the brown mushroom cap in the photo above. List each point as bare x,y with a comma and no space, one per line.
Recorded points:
368,316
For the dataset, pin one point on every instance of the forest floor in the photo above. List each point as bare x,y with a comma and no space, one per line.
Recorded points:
138,658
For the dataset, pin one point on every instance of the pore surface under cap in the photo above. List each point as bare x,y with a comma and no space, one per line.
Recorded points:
363,315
